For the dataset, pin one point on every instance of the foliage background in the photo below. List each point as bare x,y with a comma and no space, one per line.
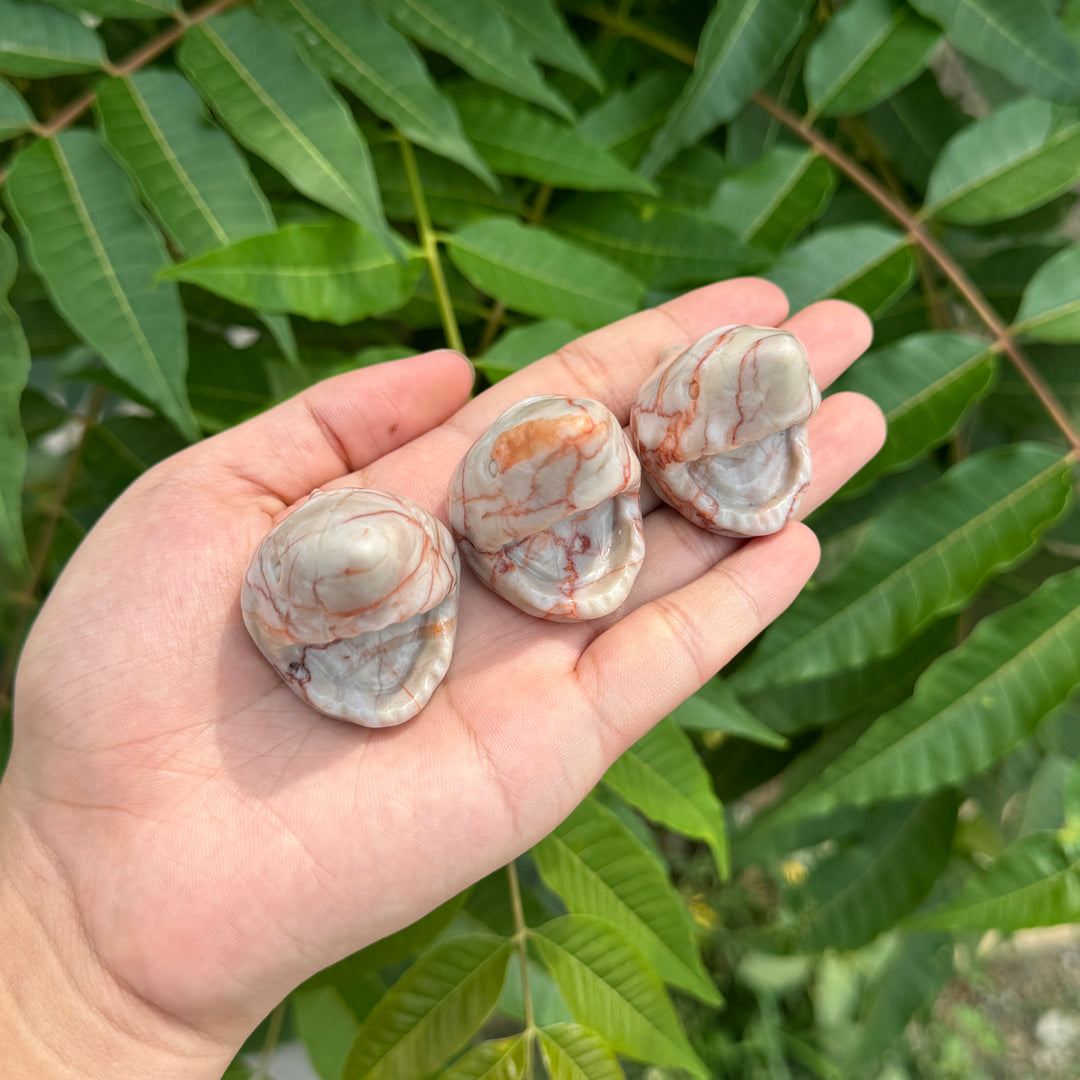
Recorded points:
211,207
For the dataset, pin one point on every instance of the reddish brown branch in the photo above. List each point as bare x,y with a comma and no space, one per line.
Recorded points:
922,236
892,205
142,56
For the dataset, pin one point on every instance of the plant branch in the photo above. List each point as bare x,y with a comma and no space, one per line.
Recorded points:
918,232
922,237
429,244
142,56
40,560
495,317
521,933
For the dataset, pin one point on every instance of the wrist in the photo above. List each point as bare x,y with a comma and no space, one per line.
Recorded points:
62,1013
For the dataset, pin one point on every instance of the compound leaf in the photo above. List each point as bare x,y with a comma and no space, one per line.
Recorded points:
13,372
1019,157
350,42
923,384
599,868
39,41
740,47
1050,307
610,988
1023,41
870,265
922,557
973,705
868,50
434,1008
334,271
536,272
663,776
478,38
98,256
769,202
273,103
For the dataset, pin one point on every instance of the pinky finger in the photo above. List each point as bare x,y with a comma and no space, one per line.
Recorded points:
639,669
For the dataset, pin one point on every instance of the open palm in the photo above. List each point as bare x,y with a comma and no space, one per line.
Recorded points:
219,839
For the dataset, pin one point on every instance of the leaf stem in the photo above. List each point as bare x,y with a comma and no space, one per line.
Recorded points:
912,223
521,935
429,244
498,311
273,1036
142,56
40,560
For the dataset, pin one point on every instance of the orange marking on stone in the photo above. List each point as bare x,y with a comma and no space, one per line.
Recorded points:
533,437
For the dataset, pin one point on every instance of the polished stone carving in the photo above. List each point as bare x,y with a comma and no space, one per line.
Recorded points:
721,429
353,599
544,508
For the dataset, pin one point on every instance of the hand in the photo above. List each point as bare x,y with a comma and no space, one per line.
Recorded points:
202,840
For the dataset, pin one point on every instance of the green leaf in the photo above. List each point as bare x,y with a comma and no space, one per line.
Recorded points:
666,247
435,1007
14,370
454,196
877,877
533,271
503,1059
1020,156
520,140
479,39
868,690
1044,803
971,706
1022,41
868,51
188,172
334,271
1050,307
923,383
15,114
714,707
350,42
913,125
38,41
121,9
98,256
913,975
1034,882
922,557
771,201
541,27
624,121
274,104
691,180
520,346
598,868
574,1052
741,46
870,265
610,988
327,1027
662,775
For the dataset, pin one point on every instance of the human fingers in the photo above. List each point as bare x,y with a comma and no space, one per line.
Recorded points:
846,432
340,425
607,365
610,364
655,657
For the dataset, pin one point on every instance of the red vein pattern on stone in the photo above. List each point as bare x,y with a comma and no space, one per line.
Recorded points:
353,599
721,429
545,508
